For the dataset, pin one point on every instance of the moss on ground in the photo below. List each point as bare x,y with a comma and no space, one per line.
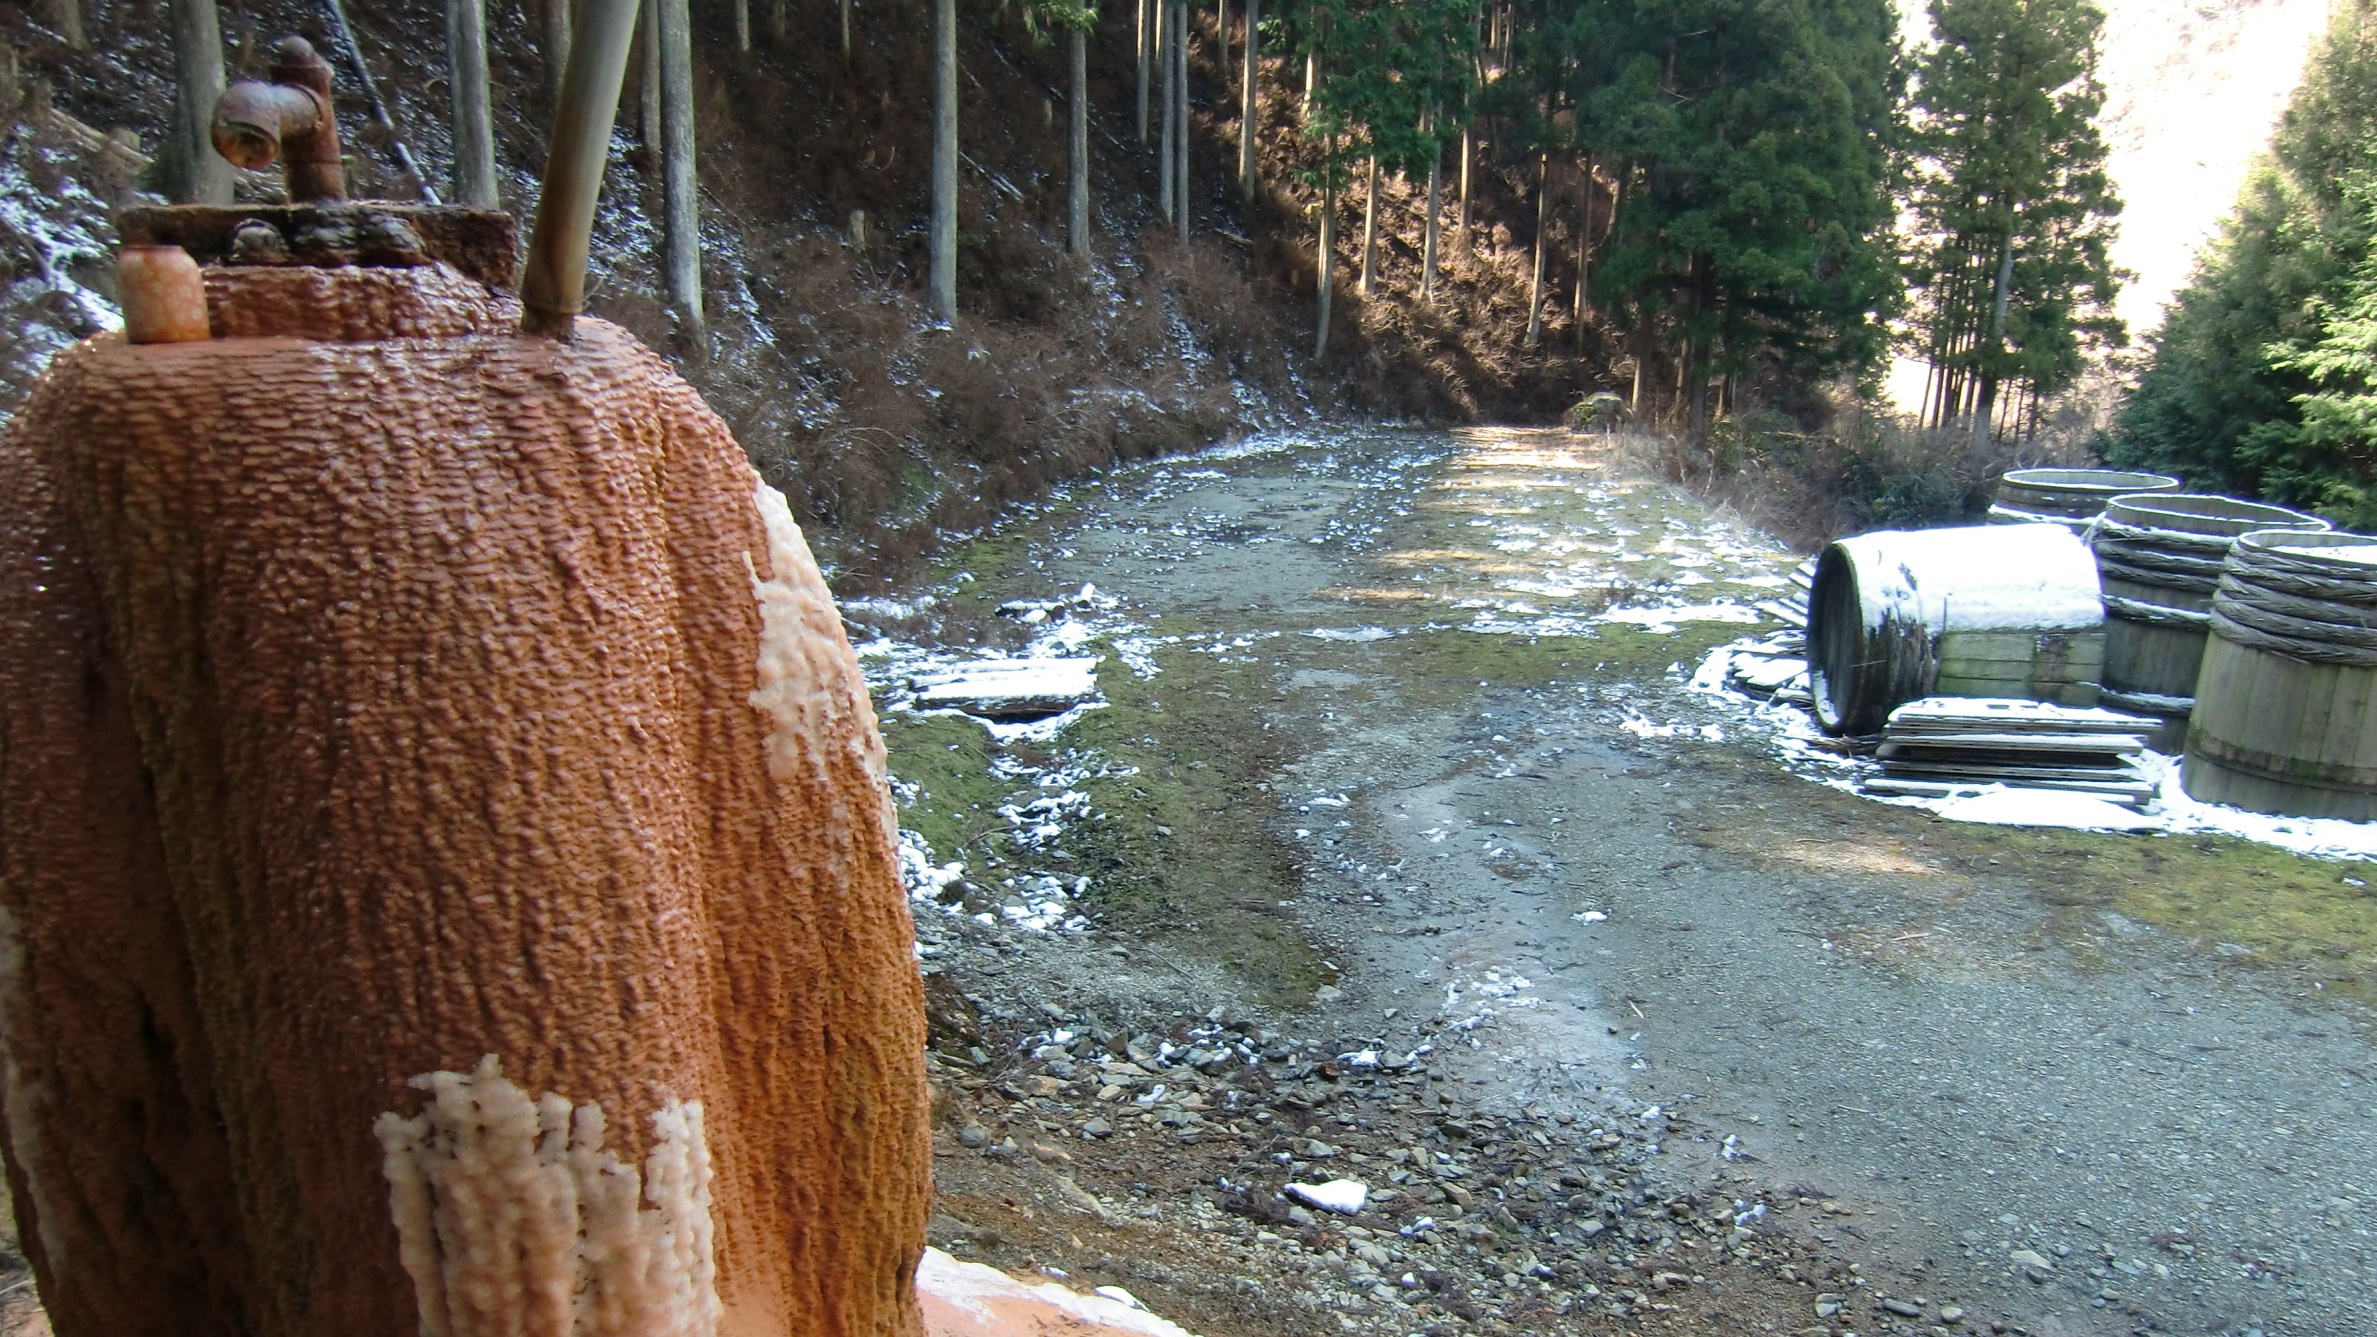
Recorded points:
1190,846
2287,911
948,760
1184,841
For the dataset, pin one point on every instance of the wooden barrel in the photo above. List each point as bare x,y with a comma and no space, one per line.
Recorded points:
2159,556
2286,703
2066,496
1985,611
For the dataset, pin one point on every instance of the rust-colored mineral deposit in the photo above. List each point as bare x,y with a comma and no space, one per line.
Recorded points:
446,874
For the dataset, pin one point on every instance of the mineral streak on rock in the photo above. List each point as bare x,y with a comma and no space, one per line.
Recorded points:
367,708
352,305
516,1222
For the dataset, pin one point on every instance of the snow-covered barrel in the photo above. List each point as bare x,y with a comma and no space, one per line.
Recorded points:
2070,497
1986,611
2286,702
2159,556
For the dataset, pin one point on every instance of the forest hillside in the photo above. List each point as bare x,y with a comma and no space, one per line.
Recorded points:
1724,218
883,428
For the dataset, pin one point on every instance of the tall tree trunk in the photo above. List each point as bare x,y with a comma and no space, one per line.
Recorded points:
1164,149
941,282
200,175
1180,116
1696,391
680,201
474,116
1576,312
1148,34
648,85
1328,262
1584,243
557,15
1997,342
1467,152
65,18
845,32
1312,78
1369,228
1077,143
1435,210
1249,109
1543,191
1221,47
743,27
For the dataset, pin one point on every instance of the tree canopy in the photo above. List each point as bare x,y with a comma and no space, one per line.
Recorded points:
2244,385
2010,207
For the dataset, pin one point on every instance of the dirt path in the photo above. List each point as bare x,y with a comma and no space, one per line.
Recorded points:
2043,1076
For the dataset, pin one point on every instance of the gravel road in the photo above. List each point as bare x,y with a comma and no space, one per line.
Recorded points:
1597,888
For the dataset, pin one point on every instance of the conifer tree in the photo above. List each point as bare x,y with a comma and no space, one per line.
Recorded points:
2013,212
2331,455
1752,143
2219,398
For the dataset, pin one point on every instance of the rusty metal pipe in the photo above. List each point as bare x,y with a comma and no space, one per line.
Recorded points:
290,119
553,287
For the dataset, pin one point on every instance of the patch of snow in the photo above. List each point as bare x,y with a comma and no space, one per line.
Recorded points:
1641,727
925,879
1342,1196
1997,805
1357,635
1668,619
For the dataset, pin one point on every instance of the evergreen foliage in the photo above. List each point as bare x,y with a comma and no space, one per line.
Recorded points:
1751,141
2012,212
2248,386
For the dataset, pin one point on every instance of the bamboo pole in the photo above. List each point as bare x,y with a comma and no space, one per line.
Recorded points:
553,287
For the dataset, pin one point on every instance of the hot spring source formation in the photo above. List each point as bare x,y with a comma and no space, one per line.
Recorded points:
447,877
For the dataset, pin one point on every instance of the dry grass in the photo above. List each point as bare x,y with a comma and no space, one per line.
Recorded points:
1858,471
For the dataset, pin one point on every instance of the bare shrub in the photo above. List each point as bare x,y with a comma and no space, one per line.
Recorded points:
1860,470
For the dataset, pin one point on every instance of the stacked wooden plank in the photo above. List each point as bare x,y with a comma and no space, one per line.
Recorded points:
1945,745
1775,668
1791,609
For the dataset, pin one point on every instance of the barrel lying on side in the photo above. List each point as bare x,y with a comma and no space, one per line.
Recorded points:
1986,611
2159,557
2286,703
2070,497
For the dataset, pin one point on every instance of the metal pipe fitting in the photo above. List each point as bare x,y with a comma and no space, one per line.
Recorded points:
553,287
291,119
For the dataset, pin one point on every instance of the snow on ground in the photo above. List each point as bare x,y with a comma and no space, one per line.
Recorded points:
1796,742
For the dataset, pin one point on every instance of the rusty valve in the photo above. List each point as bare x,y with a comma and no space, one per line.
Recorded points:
291,119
